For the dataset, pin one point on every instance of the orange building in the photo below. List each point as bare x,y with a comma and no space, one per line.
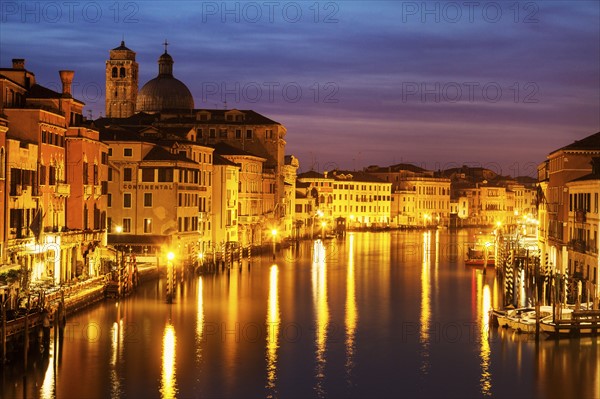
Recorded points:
40,240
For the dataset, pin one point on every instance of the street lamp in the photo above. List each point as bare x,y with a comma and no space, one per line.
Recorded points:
323,225
318,214
274,234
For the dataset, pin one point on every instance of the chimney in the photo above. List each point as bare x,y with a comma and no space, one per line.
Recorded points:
66,77
18,63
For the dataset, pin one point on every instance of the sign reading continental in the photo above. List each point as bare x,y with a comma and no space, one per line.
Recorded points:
147,186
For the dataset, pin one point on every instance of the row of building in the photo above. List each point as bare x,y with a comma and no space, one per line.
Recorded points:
156,174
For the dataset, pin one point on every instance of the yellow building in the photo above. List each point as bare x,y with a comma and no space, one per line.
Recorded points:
431,195
363,200
159,195
583,227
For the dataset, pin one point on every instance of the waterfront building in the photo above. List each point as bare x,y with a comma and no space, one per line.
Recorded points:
159,193
430,204
39,238
224,199
361,199
583,227
563,214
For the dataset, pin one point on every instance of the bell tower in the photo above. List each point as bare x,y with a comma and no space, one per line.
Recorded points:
121,82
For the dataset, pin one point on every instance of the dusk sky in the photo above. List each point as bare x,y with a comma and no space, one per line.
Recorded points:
438,84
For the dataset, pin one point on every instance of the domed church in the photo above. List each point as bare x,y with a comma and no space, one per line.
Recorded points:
164,93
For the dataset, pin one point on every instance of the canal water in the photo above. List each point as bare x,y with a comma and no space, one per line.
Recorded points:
390,314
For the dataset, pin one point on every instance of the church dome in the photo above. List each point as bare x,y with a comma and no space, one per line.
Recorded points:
164,92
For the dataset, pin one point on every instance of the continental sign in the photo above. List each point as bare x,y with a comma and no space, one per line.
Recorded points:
147,186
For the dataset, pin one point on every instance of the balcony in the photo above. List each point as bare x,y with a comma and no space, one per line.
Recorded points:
97,192
62,189
582,246
88,191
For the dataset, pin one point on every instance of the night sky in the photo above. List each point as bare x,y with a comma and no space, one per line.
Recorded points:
439,84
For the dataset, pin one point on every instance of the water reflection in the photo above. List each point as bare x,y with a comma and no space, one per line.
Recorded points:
48,388
199,321
116,346
319,283
273,325
483,307
425,303
351,312
168,386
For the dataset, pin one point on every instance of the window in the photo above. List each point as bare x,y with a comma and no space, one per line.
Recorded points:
148,174
114,72
238,133
147,199
127,152
148,225
110,173
223,133
104,158
109,200
110,152
122,73
165,175
249,133
126,225
199,133
96,179
127,200
85,173
212,133
127,174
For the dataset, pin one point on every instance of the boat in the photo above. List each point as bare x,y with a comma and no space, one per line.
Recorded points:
481,251
480,255
572,322
526,322
502,316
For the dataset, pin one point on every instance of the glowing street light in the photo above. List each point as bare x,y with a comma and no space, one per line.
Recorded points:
119,229
323,225
274,234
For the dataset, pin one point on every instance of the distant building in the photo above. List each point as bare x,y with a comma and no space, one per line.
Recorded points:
429,204
360,198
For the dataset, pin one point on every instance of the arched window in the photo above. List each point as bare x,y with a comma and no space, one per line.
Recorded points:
122,72
114,72
85,217
116,93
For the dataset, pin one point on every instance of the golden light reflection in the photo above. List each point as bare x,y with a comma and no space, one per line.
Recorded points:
319,281
47,390
351,311
273,325
168,386
425,302
116,346
484,304
199,321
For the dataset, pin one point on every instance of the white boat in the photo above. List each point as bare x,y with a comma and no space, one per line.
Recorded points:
503,316
527,321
